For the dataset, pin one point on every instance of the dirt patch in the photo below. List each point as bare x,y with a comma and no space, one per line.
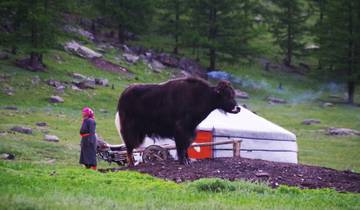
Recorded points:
274,174
108,66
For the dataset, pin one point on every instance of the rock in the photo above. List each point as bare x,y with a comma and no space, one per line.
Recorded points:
79,31
156,66
327,104
241,94
192,67
9,91
21,129
85,84
41,124
78,76
3,133
311,121
35,80
168,60
51,161
54,83
102,82
11,108
82,51
342,132
51,138
26,63
4,56
56,99
60,89
275,100
104,111
131,58
262,174
126,49
7,156
4,77
74,87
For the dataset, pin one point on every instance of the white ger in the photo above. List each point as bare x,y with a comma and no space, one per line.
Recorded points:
261,139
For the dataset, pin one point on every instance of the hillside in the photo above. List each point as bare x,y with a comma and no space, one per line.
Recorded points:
51,168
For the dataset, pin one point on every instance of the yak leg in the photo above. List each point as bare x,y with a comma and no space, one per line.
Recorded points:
132,140
130,157
182,141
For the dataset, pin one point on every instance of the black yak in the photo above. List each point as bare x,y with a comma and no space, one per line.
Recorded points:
170,110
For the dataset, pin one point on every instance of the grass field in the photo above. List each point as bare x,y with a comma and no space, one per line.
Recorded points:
46,175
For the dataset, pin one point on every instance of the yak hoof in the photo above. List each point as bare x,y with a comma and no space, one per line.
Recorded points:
185,161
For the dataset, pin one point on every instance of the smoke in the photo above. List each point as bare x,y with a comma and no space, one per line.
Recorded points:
294,96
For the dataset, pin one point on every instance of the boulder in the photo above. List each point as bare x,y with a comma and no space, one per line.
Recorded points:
168,60
3,133
7,156
192,67
241,94
327,104
56,99
311,121
51,138
88,83
79,31
131,58
21,129
4,56
11,108
35,80
82,51
342,132
60,89
74,87
8,90
274,100
54,83
41,124
4,77
102,82
78,76
156,66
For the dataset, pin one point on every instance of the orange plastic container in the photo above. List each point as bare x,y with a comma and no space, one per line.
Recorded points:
202,152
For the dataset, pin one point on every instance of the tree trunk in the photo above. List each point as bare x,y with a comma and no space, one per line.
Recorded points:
351,92
212,54
121,36
212,38
35,58
177,19
289,39
351,48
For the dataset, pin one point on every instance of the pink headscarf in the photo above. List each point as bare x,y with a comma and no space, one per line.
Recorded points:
89,112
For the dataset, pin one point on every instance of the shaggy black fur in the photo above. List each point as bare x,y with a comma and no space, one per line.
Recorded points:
170,110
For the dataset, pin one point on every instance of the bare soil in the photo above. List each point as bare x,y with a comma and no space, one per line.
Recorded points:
272,173
108,66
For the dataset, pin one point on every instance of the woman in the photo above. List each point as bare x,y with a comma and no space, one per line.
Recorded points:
88,140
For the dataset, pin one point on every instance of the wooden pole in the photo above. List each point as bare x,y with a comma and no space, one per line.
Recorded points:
236,148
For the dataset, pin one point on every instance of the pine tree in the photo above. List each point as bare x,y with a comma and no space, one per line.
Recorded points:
172,19
223,28
340,43
33,27
127,15
288,27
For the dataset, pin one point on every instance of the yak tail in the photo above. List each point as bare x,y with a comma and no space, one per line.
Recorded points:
117,123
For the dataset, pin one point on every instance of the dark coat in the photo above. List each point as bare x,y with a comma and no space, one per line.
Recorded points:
171,110
88,143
